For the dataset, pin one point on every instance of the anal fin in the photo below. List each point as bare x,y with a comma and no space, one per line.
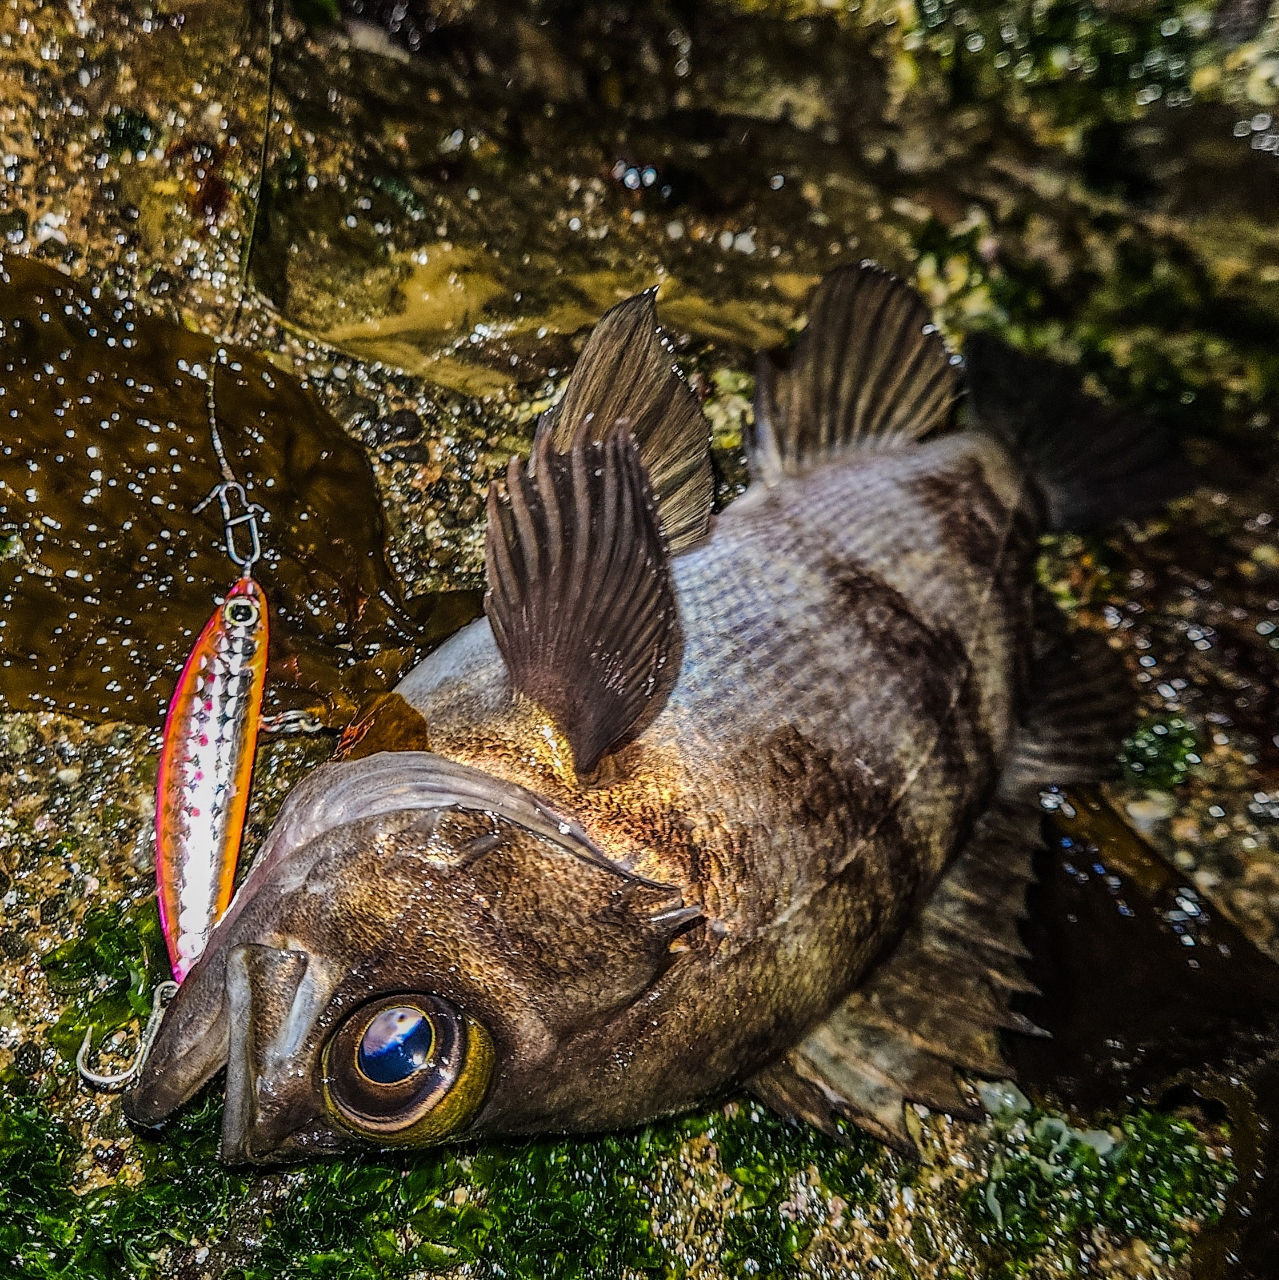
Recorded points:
934,1004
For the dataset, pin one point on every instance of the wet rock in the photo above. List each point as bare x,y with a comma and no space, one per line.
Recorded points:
401,426
27,1058
14,944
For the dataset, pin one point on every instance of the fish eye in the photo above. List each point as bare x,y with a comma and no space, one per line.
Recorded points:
240,612
395,1044
406,1069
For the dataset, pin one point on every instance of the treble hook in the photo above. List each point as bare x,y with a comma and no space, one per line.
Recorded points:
164,992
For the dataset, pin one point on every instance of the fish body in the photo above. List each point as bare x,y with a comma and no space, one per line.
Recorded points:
846,698
206,763
708,803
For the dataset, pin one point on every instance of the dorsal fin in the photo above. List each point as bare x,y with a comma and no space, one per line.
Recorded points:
869,372
580,597
626,374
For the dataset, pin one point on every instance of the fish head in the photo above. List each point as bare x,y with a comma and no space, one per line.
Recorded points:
405,965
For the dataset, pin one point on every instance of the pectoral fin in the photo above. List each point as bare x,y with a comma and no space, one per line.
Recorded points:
1081,703
1091,462
580,598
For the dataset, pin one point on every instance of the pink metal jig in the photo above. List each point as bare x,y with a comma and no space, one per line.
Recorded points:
206,763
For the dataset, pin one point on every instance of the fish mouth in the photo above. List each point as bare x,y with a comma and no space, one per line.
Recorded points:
263,1031
274,999
190,1049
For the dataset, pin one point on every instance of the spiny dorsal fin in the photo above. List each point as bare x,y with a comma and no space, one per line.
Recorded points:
580,597
869,372
626,374
935,1003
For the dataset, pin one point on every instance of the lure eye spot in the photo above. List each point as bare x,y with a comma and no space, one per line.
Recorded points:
397,1043
240,613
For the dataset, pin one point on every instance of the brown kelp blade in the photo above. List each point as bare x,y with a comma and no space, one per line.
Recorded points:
106,573
1152,997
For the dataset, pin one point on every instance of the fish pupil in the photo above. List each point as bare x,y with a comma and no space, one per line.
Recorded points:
396,1044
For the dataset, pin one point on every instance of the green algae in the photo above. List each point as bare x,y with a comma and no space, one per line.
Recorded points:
128,129
1161,753
106,973
762,1154
1152,1177
572,1208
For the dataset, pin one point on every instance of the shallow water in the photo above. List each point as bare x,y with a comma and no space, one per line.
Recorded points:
403,254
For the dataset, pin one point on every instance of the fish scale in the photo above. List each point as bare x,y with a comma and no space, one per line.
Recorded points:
708,780
766,645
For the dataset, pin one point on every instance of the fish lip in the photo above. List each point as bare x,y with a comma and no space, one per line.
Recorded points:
275,997
188,1052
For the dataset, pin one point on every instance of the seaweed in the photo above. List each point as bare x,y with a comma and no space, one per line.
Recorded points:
576,1208
763,1154
567,1207
128,129
106,455
1152,1177
106,972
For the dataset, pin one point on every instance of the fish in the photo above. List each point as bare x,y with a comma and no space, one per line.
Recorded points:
746,800
206,763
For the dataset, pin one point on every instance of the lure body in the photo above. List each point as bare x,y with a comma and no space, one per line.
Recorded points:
206,761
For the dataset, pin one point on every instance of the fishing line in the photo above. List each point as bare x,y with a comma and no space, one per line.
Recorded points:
230,488
263,157
214,717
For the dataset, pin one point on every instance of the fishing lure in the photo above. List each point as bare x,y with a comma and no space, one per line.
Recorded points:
210,733
206,761
206,756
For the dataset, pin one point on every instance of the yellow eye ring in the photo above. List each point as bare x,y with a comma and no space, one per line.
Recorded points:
240,612
422,1109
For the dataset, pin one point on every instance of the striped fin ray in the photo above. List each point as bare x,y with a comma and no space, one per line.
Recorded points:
870,372
626,374
581,599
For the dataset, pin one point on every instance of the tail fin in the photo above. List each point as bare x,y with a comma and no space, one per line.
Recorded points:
1092,463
